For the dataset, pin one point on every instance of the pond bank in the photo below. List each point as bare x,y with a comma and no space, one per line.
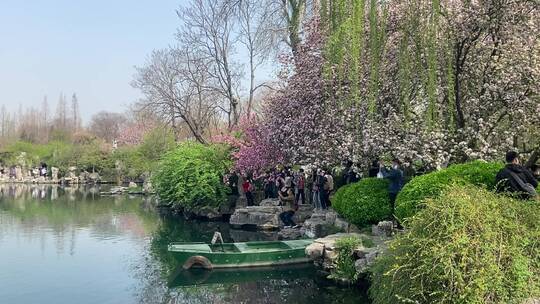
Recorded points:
113,249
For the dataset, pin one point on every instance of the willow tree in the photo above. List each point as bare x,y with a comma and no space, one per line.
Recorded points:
444,81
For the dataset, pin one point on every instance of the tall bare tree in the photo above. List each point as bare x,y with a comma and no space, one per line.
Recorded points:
61,113
106,125
208,29
177,86
4,121
257,38
44,119
75,113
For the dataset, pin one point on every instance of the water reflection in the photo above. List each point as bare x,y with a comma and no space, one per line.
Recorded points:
68,244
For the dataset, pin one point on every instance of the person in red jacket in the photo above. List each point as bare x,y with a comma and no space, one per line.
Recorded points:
247,186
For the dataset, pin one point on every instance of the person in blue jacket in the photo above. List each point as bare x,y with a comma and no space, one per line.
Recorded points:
395,175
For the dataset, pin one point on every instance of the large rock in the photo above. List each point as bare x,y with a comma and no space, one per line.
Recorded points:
326,222
323,251
148,187
266,217
260,216
384,228
94,177
291,233
322,246
270,202
18,173
54,174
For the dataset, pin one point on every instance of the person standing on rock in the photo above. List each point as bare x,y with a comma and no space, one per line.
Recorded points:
233,182
301,187
286,198
321,182
248,188
328,188
315,201
395,175
267,185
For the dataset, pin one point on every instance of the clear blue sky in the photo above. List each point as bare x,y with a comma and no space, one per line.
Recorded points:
85,46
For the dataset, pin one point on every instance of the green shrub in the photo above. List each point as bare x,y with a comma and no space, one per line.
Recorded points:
430,185
363,203
190,176
344,265
468,245
478,173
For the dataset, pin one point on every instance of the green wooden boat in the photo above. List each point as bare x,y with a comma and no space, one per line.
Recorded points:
234,255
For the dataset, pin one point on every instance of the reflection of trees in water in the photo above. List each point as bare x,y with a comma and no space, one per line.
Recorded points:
36,211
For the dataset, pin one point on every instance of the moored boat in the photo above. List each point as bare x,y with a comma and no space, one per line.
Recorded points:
233,255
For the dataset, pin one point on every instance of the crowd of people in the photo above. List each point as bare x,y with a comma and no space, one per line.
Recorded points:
296,187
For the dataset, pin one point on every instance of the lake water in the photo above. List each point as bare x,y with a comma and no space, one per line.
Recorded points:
70,245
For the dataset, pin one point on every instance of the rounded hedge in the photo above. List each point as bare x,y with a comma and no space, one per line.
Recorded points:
430,185
363,203
190,176
469,245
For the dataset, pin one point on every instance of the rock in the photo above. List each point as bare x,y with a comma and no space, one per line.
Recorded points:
207,212
316,227
323,251
266,217
241,202
325,222
361,265
18,173
148,187
259,216
253,236
290,234
384,228
227,208
270,202
342,224
54,174
94,177
132,185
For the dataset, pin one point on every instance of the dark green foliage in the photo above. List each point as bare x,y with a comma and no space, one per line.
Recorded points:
430,185
363,203
190,176
478,173
468,245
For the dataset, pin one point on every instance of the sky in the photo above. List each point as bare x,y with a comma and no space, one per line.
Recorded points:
88,47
